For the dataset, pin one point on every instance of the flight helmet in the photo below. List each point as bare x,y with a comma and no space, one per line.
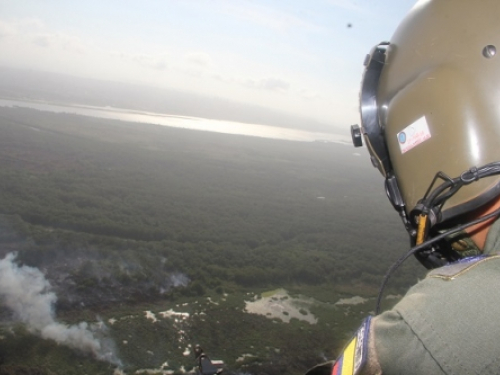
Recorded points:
430,115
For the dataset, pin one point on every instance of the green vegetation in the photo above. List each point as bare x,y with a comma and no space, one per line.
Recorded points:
118,215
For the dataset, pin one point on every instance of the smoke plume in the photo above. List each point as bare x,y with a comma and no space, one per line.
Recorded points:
179,279
27,293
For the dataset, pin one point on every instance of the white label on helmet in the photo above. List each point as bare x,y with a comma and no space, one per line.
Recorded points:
413,135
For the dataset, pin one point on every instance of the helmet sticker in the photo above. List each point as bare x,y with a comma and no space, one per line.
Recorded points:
413,135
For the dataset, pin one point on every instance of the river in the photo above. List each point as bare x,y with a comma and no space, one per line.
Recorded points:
186,122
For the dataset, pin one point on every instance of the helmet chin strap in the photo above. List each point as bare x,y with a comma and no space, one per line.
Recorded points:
422,226
422,220
416,250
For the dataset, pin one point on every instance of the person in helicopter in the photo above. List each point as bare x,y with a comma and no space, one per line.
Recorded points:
430,111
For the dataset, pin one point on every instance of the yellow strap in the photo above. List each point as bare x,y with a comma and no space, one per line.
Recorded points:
422,223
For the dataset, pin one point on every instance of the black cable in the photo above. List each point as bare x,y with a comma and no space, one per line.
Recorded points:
451,185
424,245
454,184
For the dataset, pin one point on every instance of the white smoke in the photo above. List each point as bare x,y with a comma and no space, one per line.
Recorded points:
27,293
179,279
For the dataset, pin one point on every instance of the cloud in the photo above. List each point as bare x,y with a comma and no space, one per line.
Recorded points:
29,24
42,41
20,27
274,84
150,61
264,15
307,94
221,78
6,30
65,42
153,62
199,59
270,84
346,4
29,32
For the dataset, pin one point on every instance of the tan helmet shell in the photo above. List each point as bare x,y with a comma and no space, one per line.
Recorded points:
441,71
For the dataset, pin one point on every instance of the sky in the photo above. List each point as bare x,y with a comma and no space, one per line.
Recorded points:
302,58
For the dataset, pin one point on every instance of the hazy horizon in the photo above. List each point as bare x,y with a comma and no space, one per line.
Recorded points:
53,87
302,60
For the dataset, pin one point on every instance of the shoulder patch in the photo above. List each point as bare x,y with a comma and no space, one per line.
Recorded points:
354,355
459,268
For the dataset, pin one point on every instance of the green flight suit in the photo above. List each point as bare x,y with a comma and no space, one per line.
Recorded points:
448,323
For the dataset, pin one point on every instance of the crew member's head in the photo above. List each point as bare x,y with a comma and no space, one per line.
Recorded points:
430,109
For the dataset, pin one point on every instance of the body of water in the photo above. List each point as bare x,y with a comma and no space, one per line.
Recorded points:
195,123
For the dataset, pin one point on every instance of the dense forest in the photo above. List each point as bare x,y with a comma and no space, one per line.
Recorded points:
116,212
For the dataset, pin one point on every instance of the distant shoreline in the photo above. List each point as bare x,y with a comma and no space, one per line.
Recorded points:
186,122
78,105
